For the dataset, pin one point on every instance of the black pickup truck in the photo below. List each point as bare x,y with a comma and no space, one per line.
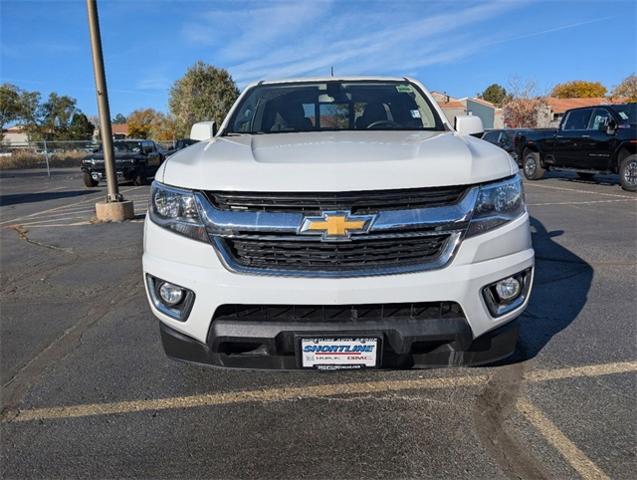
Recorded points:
589,140
135,160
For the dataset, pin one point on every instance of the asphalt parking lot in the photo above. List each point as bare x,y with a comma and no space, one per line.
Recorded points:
88,392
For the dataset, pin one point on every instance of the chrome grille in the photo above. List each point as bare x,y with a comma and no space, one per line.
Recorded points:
361,253
412,230
356,202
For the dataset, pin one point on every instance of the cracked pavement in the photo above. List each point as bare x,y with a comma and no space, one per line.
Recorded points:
75,330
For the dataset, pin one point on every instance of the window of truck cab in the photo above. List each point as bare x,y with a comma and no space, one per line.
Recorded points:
333,106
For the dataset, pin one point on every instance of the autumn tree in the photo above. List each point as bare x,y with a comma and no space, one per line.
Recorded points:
627,89
164,128
495,94
203,93
140,122
578,89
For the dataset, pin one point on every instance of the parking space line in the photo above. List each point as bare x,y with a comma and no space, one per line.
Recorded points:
582,203
312,391
573,455
527,184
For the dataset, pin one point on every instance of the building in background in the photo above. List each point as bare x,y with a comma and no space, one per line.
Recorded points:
15,135
490,115
119,130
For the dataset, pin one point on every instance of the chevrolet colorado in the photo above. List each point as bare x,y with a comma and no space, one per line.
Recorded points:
589,140
338,223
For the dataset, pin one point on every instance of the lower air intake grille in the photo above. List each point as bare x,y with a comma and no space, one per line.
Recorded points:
339,313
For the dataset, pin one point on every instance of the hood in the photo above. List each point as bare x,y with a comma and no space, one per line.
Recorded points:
336,161
118,156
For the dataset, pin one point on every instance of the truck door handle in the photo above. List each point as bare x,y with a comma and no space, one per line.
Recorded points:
586,136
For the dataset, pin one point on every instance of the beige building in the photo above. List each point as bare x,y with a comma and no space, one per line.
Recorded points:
490,115
15,135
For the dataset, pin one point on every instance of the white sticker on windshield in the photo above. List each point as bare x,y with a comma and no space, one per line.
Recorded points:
415,113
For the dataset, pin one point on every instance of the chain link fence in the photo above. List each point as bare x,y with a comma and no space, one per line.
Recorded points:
52,153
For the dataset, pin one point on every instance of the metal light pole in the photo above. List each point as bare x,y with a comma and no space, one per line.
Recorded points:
102,102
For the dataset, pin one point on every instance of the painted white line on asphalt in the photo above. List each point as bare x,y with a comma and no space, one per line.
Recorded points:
573,455
81,202
527,184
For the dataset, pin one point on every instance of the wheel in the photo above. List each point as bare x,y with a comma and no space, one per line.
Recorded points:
585,175
628,173
140,177
532,166
89,181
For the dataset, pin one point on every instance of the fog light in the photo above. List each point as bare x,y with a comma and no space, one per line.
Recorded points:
508,289
508,294
171,294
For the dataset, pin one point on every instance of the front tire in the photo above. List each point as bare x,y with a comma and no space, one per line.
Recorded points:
531,165
140,177
89,181
628,173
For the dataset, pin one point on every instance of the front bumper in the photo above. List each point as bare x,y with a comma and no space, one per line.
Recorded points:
474,339
123,171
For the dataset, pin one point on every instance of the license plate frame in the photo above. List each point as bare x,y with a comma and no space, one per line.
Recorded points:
336,354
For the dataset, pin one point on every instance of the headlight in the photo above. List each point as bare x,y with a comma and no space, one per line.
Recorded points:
497,204
176,210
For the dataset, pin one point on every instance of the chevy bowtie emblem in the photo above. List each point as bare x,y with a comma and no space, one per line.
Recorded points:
336,225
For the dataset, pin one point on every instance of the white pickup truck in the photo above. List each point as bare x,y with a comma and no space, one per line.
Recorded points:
338,223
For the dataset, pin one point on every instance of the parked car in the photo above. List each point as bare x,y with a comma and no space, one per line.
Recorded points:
180,144
503,138
352,225
590,140
135,160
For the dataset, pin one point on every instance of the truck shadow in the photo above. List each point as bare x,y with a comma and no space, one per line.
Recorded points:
17,198
560,291
606,179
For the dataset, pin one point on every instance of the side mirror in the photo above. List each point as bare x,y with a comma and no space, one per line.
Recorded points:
611,127
468,125
203,131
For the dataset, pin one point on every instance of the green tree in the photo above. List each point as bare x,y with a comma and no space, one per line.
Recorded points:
81,128
17,105
579,89
10,105
627,89
119,119
55,116
495,94
203,93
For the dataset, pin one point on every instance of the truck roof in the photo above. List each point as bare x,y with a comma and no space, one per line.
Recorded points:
329,79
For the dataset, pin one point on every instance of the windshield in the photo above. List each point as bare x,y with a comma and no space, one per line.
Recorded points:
628,113
329,106
125,147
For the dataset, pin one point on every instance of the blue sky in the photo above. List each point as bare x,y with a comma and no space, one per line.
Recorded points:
455,46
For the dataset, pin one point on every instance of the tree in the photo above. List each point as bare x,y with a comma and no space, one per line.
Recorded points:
119,119
164,129
141,122
627,89
81,128
203,93
54,117
579,89
524,105
17,105
10,106
495,94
